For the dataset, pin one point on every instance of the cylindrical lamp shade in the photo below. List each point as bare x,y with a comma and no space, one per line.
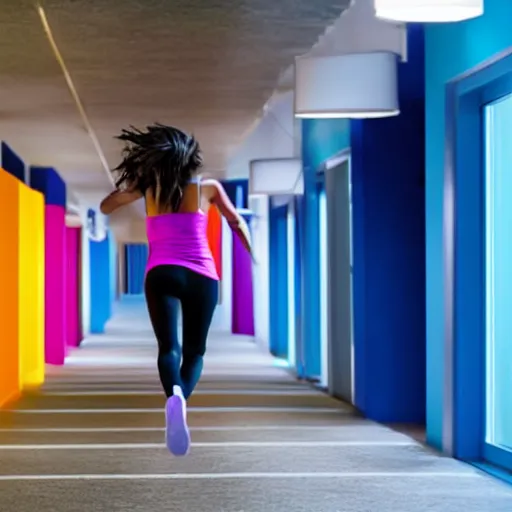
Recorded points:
424,11
362,85
276,176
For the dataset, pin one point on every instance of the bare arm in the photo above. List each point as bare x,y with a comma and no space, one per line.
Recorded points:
117,199
235,220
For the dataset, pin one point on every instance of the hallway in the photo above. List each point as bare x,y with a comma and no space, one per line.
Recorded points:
92,439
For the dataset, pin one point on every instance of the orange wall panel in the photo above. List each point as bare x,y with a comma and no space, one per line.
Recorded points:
9,286
214,232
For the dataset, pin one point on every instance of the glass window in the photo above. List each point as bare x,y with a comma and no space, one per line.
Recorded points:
324,298
498,268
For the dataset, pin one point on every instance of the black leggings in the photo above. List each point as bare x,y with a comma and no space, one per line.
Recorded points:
167,286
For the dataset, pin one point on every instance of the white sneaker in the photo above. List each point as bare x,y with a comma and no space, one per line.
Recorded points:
177,433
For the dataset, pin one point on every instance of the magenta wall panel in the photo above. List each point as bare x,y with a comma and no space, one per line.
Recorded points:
55,285
74,333
243,305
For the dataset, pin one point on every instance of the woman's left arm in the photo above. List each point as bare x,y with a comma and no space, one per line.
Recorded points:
117,199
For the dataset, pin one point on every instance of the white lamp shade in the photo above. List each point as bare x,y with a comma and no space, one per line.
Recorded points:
277,176
429,10
281,200
359,85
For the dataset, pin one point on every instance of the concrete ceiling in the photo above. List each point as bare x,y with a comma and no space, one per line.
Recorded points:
207,66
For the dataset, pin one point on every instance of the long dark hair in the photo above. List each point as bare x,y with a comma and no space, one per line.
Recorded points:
162,159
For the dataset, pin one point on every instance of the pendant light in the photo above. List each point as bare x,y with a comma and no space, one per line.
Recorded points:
352,71
362,85
424,11
276,177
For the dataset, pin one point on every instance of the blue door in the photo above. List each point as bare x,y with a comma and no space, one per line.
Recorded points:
497,445
324,293
480,191
278,277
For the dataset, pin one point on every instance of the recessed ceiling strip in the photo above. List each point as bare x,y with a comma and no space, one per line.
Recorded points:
73,91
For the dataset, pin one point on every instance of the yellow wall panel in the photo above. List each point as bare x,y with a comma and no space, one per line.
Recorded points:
31,286
9,297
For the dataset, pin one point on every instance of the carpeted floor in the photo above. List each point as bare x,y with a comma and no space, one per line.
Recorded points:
92,440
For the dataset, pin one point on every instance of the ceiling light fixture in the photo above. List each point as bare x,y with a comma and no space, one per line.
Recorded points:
355,86
426,11
276,177
352,71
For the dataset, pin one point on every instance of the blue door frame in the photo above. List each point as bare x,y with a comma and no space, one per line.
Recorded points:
299,282
323,299
464,256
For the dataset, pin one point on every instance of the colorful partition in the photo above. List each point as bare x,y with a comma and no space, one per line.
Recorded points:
100,283
9,286
114,270
136,257
238,192
278,285
55,278
53,187
214,233
31,286
73,289
243,297
11,162
85,282
388,243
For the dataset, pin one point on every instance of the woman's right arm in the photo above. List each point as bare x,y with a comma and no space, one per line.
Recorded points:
227,209
117,199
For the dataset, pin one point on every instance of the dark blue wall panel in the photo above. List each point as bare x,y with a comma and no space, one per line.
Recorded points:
12,163
388,174
234,187
48,181
311,277
101,304
136,257
278,283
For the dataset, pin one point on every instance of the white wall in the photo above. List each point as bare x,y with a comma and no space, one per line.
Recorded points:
290,238
273,137
86,275
260,240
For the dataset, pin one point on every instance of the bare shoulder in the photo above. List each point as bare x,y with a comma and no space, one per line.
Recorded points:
211,188
216,194
210,182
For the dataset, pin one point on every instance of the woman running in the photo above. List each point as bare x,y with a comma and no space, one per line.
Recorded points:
161,165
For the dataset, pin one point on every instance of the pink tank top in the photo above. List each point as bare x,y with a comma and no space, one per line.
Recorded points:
180,239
